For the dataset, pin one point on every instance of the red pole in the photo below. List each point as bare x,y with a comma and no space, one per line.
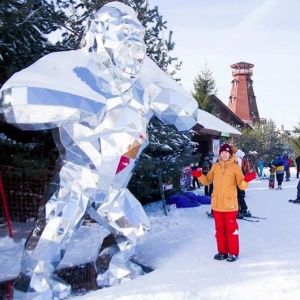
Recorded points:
9,290
5,207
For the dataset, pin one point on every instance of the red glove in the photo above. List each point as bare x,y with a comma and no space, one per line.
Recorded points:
198,173
250,176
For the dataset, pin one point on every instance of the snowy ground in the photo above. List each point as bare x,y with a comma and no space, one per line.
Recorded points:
181,246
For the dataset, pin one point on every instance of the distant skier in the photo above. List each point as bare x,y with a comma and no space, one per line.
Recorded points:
297,200
260,165
279,170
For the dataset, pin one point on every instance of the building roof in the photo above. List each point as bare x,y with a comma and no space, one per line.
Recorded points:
209,124
242,64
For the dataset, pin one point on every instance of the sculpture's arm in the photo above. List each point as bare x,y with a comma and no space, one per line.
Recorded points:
51,91
168,100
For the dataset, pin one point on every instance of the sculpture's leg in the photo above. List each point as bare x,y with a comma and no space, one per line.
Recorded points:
127,221
48,242
43,252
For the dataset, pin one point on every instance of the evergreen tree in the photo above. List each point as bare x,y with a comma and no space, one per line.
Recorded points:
265,140
23,29
37,154
158,48
204,87
295,140
168,151
24,26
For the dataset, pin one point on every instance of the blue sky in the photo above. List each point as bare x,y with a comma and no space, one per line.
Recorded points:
219,33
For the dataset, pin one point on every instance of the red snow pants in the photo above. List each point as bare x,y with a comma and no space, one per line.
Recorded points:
227,233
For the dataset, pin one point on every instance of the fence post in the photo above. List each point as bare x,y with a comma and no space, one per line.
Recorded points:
7,217
161,189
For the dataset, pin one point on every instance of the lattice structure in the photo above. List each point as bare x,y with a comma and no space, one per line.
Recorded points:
23,194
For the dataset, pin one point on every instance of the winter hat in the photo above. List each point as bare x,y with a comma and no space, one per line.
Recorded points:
227,148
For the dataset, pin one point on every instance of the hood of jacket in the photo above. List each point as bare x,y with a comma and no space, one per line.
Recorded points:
239,153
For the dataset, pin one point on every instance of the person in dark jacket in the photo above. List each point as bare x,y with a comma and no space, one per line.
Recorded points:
245,167
206,166
298,166
279,165
297,200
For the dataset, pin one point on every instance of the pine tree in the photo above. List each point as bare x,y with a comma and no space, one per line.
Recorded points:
158,48
265,140
204,87
168,151
24,25
295,141
23,29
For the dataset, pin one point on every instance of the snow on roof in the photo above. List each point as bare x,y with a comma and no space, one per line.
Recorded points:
213,125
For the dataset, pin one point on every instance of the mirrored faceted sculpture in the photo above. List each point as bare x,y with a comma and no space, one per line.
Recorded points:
98,101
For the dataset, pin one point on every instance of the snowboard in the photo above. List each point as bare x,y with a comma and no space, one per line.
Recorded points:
272,178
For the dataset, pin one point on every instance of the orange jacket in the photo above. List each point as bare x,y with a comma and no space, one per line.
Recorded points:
226,176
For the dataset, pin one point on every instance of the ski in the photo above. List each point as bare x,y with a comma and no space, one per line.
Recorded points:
292,201
248,220
255,217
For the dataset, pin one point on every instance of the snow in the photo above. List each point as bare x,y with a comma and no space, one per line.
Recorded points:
180,247
210,122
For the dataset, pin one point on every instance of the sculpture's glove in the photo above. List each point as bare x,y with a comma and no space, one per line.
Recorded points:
250,176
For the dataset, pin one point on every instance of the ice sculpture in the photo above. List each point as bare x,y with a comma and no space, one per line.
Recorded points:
98,101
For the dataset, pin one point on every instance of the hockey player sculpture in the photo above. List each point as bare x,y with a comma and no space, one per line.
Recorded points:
98,101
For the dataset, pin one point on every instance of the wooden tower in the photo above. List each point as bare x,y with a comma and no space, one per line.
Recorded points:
242,100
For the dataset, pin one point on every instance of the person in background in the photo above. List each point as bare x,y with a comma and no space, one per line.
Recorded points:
279,170
288,163
246,166
297,200
298,166
285,165
272,170
260,164
241,194
194,173
226,176
206,166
